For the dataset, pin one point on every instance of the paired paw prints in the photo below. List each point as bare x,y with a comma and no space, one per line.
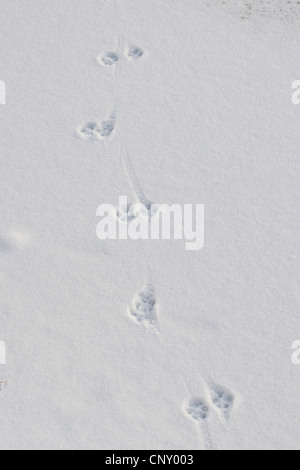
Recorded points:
97,131
221,399
112,58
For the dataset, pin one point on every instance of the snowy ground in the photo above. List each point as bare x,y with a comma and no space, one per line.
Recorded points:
202,105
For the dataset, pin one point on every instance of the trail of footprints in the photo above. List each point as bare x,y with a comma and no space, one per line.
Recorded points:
221,401
93,130
144,305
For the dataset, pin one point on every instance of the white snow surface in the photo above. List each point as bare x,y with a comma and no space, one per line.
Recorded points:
141,344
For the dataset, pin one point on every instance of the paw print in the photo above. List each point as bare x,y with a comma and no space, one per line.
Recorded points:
144,306
198,409
89,131
135,53
110,58
223,400
107,127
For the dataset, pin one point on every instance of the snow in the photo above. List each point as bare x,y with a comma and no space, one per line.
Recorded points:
127,344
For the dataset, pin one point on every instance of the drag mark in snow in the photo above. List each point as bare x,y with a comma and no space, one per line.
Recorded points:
198,410
144,309
222,399
134,182
142,207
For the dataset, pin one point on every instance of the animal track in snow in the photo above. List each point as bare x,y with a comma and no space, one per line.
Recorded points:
89,131
222,399
143,207
107,127
128,212
198,409
109,59
97,131
143,309
135,53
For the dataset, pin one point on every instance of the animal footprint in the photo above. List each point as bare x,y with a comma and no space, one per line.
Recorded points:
109,59
126,213
222,399
135,53
144,306
97,131
198,409
89,131
107,127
